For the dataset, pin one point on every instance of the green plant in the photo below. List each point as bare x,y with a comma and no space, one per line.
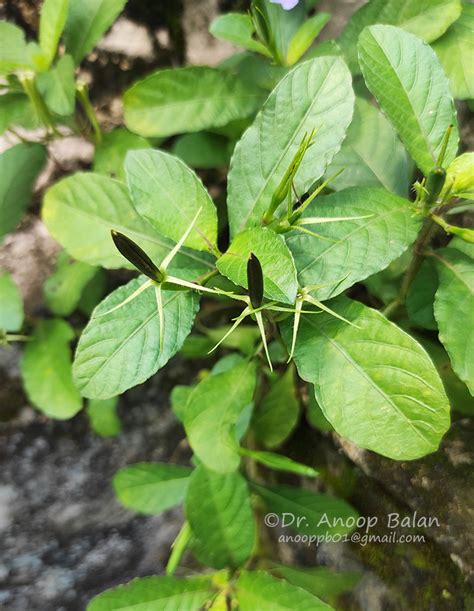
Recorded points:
317,207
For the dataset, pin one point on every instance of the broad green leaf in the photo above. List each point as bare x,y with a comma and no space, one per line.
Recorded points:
375,384
463,246
227,362
283,25
237,28
259,590
211,414
254,68
453,308
80,212
278,267
155,594
305,35
426,19
385,285
280,463
314,95
58,87
371,154
179,398
169,195
17,110
278,412
318,513
109,156
63,289
93,292
52,21
352,250
103,417
244,338
46,370
86,23
314,413
455,51
406,77
13,55
120,349
218,509
420,298
188,99
319,581
151,488
202,150
11,304
19,168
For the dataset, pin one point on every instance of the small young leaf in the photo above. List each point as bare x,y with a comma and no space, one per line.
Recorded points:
103,417
109,156
305,36
237,29
228,538
58,87
46,370
52,21
421,109
460,175
11,304
13,55
151,488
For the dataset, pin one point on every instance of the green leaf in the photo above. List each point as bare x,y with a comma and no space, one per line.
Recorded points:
13,55
188,99
109,156
354,249
52,21
93,292
103,417
455,50
46,370
19,168
212,411
11,304
259,590
371,154
86,23
314,413
168,195
375,384
155,594
460,175
280,462
16,110
305,36
218,509
314,95
278,267
237,29
406,77
202,150
453,307
278,412
426,19
63,289
282,25
58,87
120,349
80,212
151,488
420,298
318,513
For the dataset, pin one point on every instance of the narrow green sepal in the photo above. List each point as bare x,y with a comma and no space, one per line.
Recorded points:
255,281
136,256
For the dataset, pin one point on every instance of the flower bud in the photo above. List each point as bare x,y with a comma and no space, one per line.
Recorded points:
136,256
434,184
255,281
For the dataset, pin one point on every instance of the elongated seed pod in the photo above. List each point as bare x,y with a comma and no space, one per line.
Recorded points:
255,281
434,184
136,256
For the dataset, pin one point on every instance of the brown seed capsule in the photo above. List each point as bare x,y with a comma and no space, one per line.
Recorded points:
136,256
255,281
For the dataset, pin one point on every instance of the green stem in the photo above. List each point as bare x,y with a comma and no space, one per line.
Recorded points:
28,83
83,95
17,338
178,548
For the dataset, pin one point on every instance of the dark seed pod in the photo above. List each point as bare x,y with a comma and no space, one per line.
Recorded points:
136,256
255,281
434,184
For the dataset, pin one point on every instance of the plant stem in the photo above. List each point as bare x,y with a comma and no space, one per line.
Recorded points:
178,548
83,95
28,83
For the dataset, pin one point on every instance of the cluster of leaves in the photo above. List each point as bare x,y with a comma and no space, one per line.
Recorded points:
304,237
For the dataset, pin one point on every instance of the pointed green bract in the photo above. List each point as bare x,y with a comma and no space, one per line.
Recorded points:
375,384
211,414
227,539
151,488
52,21
408,81
120,349
354,249
11,304
279,462
316,95
168,195
279,272
305,36
188,99
453,308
